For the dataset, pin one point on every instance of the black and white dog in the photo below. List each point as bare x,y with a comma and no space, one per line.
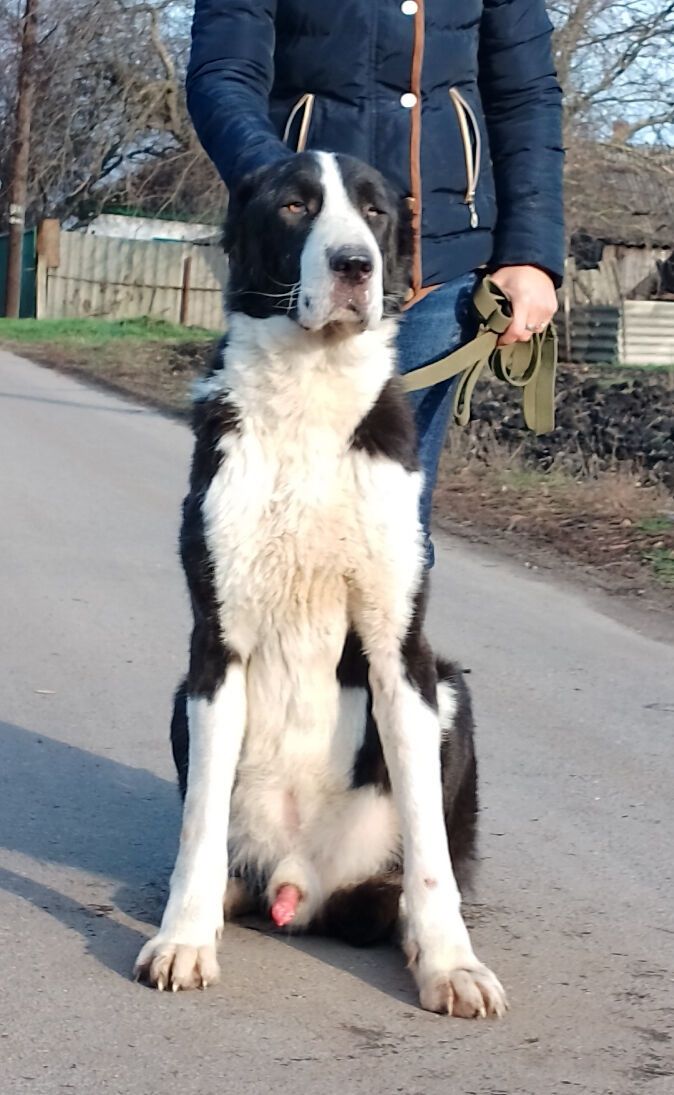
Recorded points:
323,753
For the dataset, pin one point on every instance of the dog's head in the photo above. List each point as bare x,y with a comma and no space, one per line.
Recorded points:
320,238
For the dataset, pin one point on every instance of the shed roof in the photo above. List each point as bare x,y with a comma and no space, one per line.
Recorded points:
621,194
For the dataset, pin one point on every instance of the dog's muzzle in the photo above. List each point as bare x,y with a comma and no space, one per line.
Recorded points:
350,296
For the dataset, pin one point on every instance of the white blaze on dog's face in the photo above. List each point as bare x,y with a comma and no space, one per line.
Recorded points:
341,269
320,238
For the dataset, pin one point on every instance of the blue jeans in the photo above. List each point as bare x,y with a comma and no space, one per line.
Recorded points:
440,323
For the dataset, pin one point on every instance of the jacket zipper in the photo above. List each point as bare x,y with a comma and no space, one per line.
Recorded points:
472,149
306,105
414,200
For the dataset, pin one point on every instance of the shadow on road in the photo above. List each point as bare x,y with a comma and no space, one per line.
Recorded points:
109,409
381,967
110,942
60,804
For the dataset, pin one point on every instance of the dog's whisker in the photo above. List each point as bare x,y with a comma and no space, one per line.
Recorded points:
286,284
258,293
293,298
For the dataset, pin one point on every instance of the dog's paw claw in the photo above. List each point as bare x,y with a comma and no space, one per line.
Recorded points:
466,993
163,965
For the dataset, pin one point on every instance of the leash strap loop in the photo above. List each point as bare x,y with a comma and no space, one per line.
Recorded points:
528,365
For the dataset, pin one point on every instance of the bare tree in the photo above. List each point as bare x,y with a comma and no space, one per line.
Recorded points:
19,156
615,59
110,124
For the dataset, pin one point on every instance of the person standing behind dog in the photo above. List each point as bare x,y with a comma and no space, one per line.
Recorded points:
457,104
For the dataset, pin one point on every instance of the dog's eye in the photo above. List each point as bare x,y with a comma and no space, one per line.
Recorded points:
372,212
296,208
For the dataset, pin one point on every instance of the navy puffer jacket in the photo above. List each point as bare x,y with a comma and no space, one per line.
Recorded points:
455,101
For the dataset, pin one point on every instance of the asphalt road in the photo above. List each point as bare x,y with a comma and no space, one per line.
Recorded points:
575,905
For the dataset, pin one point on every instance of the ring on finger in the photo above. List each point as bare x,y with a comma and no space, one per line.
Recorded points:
534,327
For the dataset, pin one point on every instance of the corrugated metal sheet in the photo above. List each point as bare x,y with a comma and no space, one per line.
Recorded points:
647,332
124,279
594,335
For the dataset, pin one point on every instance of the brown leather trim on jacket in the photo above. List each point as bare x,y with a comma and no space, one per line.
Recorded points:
415,143
415,295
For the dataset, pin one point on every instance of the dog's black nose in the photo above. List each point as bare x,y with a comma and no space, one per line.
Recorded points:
354,266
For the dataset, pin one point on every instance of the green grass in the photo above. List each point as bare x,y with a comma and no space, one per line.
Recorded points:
656,524
73,332
531,478
662,565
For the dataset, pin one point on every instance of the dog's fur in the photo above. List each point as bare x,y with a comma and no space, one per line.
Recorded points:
318,742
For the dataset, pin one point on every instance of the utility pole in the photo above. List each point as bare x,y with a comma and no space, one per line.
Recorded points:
18,170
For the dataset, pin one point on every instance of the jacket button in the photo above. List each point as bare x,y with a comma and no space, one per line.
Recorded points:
409,7
408,100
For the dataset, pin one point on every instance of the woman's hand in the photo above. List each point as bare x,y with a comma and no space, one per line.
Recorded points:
532,297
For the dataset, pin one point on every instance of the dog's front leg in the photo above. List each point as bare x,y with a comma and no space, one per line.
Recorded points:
182,954
450,977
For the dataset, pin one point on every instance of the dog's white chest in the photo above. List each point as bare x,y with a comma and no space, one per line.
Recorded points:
279,522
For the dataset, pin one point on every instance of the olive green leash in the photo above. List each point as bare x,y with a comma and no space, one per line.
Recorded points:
530,366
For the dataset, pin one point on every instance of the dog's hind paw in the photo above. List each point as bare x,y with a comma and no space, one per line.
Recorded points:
467,993
166,965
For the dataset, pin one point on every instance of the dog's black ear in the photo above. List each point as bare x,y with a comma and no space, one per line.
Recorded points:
239,198
398,258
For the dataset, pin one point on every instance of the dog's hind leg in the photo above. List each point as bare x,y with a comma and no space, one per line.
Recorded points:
180,736
459,769
363,914
239,899
182,954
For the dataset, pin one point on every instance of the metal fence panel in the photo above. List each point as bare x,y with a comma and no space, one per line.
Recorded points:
28,263
648,332
593,337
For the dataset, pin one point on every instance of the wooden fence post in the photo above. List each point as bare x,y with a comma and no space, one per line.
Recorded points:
185,291
48,258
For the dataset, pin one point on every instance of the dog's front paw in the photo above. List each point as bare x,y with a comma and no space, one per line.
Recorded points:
470,993
166,965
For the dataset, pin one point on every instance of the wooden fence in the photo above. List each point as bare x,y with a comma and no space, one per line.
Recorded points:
95,276
80,275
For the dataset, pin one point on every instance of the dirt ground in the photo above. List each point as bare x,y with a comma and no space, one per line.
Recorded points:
596,493
596,496
613,531
158,373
